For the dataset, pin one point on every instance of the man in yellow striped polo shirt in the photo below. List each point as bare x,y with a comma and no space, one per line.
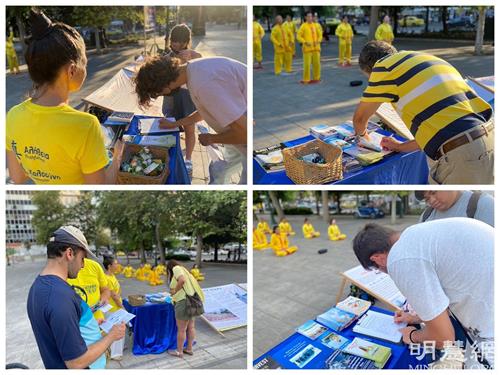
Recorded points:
450,123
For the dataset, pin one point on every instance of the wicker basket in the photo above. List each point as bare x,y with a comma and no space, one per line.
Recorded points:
125,178
137,299
302,172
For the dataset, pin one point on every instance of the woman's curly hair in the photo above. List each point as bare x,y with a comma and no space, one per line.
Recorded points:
154,76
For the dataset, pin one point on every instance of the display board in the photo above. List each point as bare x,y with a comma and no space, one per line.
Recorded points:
225,307
377,284
391,118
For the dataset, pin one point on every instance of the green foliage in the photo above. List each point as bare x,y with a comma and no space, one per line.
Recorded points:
49,216
179,257
298,211
83,216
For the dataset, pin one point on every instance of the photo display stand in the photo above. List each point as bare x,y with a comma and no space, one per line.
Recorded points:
391,118
376,284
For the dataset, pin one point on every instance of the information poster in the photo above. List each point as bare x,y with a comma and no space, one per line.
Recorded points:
225,306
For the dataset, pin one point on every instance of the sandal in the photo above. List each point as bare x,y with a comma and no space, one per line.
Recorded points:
188,352
174,353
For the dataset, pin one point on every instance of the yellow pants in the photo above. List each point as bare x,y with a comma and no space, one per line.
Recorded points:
257,51
345,51
282,59
340,237
13,63
311,58
285,252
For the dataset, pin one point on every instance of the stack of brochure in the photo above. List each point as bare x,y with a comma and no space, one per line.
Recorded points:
379,354
311,329
336,319
354,305
322,131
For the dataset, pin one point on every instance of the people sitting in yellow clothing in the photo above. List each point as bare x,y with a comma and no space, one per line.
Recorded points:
118,269
334,233
308,230
128,272
451,124
286,227
94,282
11,54
153,278
140,273
111,267
258,34
259,240
49,142
264,226
290,25
280,244
310,35
160,269
384,31
345,35
282,40
197,274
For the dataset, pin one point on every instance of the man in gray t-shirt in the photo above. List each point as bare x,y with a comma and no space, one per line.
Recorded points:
445,204
438,266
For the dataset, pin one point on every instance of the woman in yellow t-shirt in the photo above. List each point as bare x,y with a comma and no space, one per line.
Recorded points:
182,282
48,141
111,266
308,230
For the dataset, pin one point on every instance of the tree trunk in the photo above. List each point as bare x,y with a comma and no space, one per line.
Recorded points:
199,249
481,20
326,211
22,35
337,199
373,22
277,205
444,18
142,253
199,22
393,208
97,40
427,13
216,253
128,260
159,244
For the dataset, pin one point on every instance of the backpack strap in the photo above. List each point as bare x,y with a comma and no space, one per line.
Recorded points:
472,205
427,213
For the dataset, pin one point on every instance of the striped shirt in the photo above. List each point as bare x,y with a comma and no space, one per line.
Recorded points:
429,95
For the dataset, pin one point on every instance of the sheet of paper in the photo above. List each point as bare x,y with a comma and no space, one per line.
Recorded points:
157,140
379,325
389,115
152,126
378,284
105,308
226,306
119,316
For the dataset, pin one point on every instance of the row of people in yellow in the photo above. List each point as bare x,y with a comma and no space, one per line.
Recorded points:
308,230
259,240
280,244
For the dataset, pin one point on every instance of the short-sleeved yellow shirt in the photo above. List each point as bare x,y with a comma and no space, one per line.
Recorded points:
55,145
190,285
114,286
91,278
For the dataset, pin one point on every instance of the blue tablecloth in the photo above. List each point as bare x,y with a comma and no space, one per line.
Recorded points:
178,172
400,357
396,169
154,327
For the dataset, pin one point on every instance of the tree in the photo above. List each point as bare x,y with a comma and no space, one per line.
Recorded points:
373,22
83,215
49,215
96,17
444,18
481,20
276,204
326,211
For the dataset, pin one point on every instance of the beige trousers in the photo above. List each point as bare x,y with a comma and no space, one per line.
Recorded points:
470,164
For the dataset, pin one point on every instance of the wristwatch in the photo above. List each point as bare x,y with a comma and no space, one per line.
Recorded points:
411,333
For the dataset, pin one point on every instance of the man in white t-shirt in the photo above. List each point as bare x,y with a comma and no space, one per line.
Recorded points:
443,204
218,88
439,266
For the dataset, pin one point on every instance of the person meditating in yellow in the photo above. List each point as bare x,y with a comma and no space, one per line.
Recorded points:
282,40
259,240
334,233
195,271
308,230
258,34
345,35
310,35
280,244
264,226
384,31
286,228
128,272
154,278
160,270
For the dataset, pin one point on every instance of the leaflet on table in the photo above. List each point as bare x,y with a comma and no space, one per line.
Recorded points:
340,360
333,340
363,348
379,325
363,155
151,140
311,329
374,143
336,319
322,131
267,362
119,316
270,158
342,131
124,117
305,356
152,126
378,284
354,305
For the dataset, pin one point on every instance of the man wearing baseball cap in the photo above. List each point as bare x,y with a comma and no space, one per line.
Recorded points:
60,319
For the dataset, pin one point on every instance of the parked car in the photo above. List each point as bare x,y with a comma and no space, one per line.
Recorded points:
410,21
364,212
460,22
